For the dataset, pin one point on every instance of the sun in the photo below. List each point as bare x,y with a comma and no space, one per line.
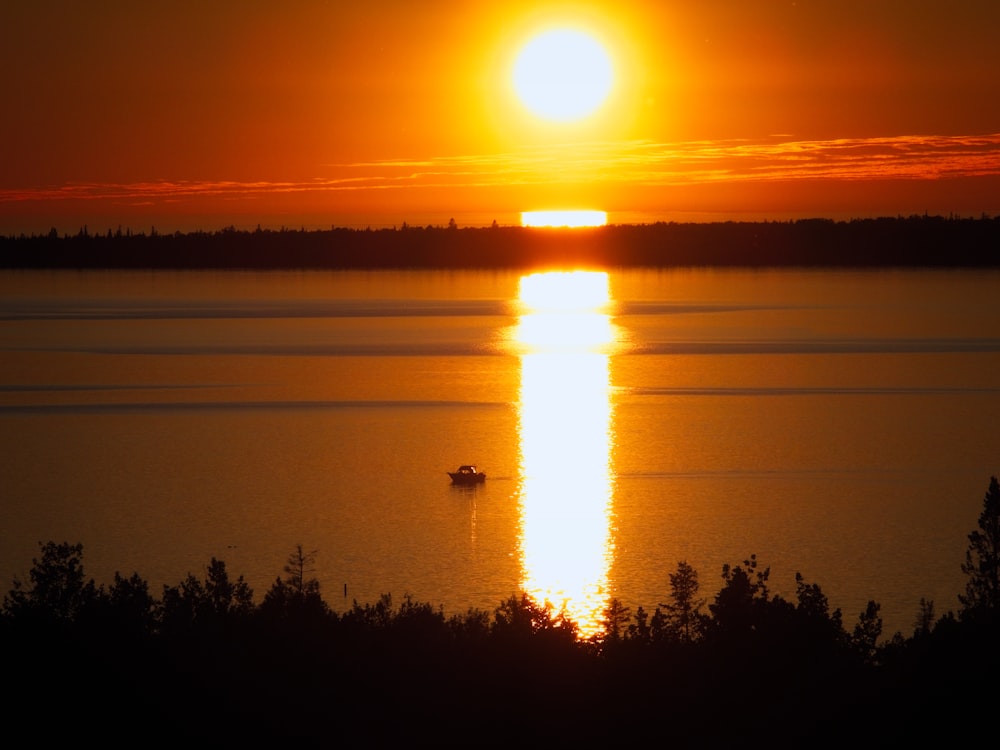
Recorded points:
571,219
563,75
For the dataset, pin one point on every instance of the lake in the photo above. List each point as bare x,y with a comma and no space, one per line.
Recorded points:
843,424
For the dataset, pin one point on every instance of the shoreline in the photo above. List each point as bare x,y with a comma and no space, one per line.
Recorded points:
911,242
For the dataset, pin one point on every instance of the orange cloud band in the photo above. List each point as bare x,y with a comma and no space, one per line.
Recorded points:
638,163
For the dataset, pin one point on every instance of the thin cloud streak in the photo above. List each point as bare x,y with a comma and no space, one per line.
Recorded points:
638,163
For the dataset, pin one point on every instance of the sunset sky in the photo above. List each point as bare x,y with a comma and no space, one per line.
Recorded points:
196,115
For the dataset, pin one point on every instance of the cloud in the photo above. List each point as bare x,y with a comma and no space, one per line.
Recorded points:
638,162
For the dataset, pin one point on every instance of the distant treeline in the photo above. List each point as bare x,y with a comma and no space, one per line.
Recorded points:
915,241
204,662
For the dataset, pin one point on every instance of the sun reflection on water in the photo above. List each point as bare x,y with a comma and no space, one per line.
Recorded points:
565,441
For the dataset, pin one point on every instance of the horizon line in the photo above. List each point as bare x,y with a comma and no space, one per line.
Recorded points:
126,230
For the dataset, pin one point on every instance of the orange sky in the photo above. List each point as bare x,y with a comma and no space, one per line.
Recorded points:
195,115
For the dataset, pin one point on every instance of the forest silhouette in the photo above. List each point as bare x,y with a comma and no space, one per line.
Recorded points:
915,241
205,661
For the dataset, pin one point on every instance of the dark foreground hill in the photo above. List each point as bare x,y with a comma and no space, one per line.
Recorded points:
916,241
204,663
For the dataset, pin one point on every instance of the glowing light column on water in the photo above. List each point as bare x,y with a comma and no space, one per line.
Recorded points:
565,440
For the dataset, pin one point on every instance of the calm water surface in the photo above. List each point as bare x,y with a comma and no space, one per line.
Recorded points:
840,424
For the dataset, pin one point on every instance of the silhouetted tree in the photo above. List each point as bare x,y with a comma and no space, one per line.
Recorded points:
812,634
982,559
736,606
127,606
473,626
418,621
300,564
57,590
371,616
225,596
180,605
658,629
297,596
867,631
925,618
520,617
213,602
640,631
683,612
615,619
814,610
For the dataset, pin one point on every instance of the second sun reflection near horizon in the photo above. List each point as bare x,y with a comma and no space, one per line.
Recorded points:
565,432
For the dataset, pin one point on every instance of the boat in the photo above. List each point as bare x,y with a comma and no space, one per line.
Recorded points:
467,474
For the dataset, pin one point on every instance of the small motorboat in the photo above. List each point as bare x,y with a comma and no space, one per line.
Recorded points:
467,475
